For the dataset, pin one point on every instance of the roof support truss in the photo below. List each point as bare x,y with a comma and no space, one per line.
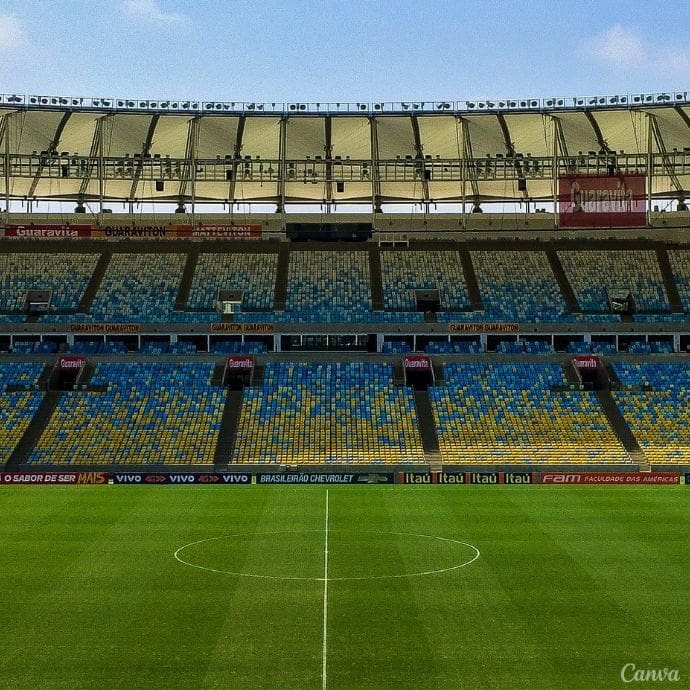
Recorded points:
145,149
51,151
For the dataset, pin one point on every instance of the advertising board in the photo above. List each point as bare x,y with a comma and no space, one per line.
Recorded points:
610,478
54,478
602,201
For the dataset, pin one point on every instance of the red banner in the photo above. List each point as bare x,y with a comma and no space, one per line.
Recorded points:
417,362
602,201
222,231
586,362
71,362
610,478
54,478
44,231
129,232
235,362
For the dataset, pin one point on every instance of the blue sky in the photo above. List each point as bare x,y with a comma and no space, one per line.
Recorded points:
349,50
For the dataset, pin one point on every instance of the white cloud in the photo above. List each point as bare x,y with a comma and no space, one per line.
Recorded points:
623,49
618,47
12,34
148,10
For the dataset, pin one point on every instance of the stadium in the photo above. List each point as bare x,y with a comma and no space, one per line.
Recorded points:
351,393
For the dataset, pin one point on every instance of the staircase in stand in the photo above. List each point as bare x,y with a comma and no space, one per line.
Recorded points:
622,430
33,432
376,278
95,282
471,281
427,429
186,280
566,288
228,429
674,300
280,295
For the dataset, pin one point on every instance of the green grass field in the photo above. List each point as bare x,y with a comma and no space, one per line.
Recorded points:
571,584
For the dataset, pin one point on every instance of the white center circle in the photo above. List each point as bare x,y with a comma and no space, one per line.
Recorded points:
289,551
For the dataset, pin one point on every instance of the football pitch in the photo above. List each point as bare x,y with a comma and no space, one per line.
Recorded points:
343,587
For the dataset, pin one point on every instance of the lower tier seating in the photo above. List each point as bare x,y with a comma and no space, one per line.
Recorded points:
332,413
508,413
659,416
16,408
150,414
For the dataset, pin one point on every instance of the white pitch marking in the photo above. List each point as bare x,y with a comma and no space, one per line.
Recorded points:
324,652
438,571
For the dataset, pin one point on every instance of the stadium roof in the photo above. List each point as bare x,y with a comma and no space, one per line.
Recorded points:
98,149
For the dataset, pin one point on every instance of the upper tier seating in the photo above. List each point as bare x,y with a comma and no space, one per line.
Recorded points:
328,286
151,414
255,274
659,418
507,413
139,287
67,275
591,273
518,286
333,413
17,409
404,271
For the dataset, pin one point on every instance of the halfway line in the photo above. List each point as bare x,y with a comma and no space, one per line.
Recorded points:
324,654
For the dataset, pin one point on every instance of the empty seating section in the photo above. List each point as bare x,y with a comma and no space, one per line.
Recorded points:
404,271
150,414
328,413
139,287
255,274
16,408
66,275
518,286
328,286
507,413
593,273
658,416
680,264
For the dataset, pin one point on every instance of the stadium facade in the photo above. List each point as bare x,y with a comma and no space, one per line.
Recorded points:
453,338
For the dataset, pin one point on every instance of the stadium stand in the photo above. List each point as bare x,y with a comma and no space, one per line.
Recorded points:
325,286
18,407
363,419
591,273
657,411
328,413
254,274
66,275
507,413
518,286
139,287
148,414
405,271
